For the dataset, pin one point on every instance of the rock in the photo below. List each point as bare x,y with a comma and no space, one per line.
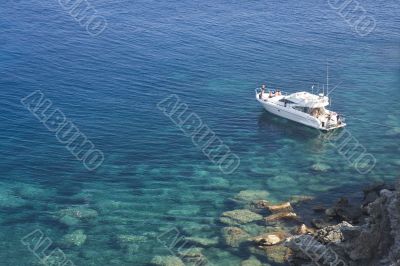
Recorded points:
9,200
68,220
252,195
28,191
167,261
255,229
303,229
304,247
281,216
283,207
319,208
393,132
269,239
376,242
375,187
332,234
320,167
380,237
72,216
319,223
233,236
344,211
185,211
330,212
191,252
193,256
239,217
277,254
300,198
369,197
252,261
75,239
260,204
204,242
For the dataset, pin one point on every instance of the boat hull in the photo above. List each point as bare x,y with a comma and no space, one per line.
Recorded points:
295,116
281,112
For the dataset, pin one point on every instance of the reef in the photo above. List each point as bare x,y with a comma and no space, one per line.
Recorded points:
301,231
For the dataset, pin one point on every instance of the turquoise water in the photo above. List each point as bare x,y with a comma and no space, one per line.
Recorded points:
212,54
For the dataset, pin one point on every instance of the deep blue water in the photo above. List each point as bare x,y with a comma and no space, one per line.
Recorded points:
212,54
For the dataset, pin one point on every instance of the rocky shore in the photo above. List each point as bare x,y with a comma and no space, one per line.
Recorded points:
302,232
367,234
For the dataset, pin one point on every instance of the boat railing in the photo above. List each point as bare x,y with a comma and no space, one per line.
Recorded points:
273,91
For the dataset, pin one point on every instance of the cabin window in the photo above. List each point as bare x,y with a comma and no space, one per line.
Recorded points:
302,109
285,101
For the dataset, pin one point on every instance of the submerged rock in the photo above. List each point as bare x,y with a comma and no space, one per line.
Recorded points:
81,213
108,206
242,216
9,200
295,199
68,220
126,240
193,256
185,211
320,167
252,195
277,254
233,236
252,261
28,191
75,239
74,215
204,242
167,261
259,204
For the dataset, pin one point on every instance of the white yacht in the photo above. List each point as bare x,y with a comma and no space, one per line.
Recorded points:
303,107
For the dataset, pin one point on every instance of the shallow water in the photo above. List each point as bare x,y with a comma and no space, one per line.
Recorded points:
212,54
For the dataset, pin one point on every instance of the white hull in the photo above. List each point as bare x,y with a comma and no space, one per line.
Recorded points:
278,108
279,111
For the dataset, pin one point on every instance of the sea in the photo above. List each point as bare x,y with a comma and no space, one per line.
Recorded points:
121,77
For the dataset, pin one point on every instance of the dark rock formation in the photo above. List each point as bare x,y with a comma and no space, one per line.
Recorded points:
376,242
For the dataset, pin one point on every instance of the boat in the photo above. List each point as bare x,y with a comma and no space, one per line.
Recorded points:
302,107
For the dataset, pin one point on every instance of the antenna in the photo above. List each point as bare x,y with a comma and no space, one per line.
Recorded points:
327,77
